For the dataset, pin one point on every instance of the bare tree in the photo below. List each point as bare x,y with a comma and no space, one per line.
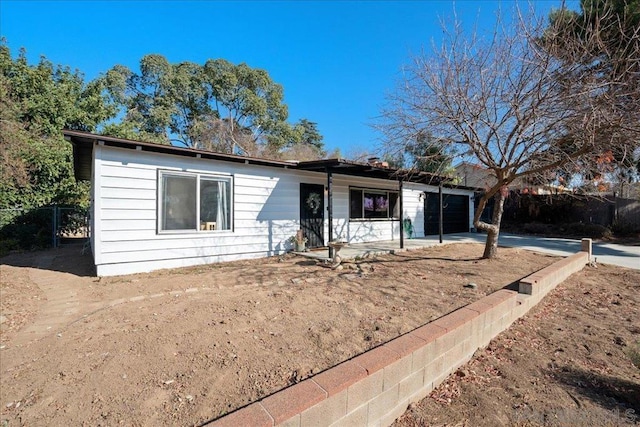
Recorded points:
508,102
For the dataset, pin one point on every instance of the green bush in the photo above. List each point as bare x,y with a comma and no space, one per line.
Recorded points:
579,229
624,229
537,228
575,229
599,231
30,229
8,245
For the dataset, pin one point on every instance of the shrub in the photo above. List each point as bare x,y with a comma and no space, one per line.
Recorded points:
624,229
595,231
537,228
30,229
8,245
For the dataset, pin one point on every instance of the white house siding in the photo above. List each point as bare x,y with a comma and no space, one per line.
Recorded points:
413,205
266,212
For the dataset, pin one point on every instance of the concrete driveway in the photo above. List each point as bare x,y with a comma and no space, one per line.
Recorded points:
605,253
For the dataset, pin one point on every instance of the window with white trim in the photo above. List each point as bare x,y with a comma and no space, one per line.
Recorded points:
365,203
194,202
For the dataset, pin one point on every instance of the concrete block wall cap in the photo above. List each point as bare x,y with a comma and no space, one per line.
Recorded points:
504,294
376,359
252,415
405,345
429,332
340,377
480,306
556,267
291,401
456,319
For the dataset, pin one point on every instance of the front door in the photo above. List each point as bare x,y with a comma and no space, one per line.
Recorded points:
312,214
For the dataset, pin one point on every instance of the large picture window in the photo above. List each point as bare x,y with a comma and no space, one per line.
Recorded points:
373,204
194,202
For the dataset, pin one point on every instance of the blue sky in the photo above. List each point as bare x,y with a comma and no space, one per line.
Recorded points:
335,59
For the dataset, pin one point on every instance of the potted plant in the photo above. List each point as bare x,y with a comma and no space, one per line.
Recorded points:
299,241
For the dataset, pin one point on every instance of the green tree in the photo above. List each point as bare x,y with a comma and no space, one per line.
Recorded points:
427,154
217,106
309,134
305,143
422,153
36,103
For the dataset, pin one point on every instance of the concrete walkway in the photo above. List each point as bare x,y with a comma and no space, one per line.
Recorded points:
605,253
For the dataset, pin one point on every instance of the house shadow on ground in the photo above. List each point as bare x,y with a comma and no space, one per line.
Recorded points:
69,258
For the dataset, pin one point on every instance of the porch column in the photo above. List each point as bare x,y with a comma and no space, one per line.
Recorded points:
330,208
440,210
401,214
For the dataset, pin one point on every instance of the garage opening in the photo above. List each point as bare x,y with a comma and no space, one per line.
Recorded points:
455,212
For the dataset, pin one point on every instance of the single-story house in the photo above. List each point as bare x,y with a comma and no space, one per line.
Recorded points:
158,206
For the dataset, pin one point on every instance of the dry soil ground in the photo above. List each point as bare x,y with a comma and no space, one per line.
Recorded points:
183,346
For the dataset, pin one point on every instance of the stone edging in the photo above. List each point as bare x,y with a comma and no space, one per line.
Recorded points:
376,387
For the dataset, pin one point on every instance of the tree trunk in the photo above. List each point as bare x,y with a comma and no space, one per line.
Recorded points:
493,229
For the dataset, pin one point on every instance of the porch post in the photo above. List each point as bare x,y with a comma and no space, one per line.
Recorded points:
440,214
401,214
330,209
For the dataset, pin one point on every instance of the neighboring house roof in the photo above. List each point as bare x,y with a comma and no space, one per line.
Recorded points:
474,175
83,143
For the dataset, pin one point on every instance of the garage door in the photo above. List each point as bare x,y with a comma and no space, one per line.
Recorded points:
455,213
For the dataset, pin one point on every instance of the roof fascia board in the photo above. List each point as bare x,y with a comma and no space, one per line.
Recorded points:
336,165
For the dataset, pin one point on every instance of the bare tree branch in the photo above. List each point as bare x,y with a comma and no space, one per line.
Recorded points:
526,100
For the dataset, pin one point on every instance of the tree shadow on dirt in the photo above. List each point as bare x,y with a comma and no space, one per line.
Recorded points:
67,259
307,262
615,394
404,258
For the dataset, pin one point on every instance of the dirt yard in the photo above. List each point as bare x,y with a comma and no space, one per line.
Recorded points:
567,363
184,346
187,345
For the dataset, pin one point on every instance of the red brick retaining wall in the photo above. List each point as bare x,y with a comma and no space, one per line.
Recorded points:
376,387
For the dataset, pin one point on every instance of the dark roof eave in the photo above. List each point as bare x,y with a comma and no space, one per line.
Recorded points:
86,138
83,143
